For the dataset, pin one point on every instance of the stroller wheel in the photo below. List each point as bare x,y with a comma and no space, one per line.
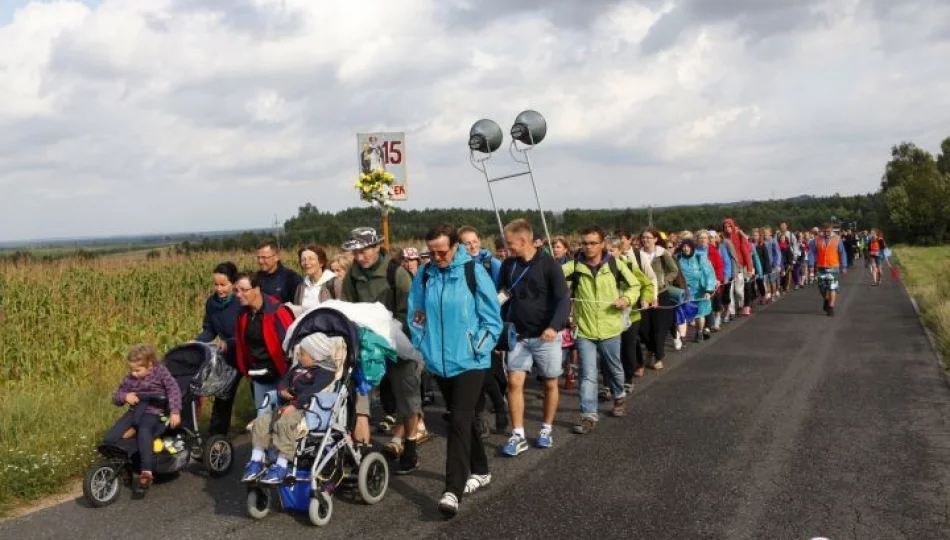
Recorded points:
321,509
218,456
373,477
258,503
101,484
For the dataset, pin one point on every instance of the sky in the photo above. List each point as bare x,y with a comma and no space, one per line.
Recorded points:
144,116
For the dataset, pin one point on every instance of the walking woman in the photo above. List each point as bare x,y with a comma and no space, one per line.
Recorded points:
315,287
656,322
220,321
456,327
701,280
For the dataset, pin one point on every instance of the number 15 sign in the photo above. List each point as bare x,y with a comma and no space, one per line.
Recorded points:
386,151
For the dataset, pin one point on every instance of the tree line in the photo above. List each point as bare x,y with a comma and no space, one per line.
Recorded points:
328,228
915,194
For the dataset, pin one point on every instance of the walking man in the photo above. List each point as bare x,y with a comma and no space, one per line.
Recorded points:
602,290
538,303
830,260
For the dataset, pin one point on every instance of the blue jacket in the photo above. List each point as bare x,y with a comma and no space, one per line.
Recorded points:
699,274
775,254
726,261
220,321
757,263
493,263
460,330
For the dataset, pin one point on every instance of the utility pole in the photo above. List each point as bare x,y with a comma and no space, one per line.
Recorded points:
650,216
277,231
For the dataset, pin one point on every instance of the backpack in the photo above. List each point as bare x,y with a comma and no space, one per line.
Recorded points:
614,271
391,270
469,277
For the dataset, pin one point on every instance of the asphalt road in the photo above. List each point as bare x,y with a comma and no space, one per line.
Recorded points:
788,425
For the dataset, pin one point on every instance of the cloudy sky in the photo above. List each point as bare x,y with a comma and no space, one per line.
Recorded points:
129,116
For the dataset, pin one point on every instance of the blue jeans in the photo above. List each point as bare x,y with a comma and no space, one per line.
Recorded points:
260,390
588,350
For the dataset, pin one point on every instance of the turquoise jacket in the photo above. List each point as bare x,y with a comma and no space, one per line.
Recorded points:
699,274
460,329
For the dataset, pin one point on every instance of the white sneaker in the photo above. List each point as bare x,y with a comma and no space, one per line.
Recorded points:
476,482
677,343
449,505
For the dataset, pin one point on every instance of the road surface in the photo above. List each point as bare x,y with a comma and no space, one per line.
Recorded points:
788,425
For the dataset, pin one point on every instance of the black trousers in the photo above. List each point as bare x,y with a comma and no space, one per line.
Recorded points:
495,385
655,324
465,453
221,411
146,426
387,398
629,343
726,295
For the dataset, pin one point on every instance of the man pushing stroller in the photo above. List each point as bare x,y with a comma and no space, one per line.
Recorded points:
320,364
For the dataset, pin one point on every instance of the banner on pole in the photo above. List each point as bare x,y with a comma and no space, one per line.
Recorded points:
386,151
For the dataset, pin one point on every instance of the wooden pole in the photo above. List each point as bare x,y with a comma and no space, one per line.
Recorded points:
386,230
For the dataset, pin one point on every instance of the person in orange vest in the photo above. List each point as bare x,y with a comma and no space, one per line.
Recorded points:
830,259
875,255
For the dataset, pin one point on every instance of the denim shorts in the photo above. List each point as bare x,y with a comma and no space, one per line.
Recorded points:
827,279
545,357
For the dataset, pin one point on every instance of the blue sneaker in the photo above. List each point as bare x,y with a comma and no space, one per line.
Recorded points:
515,445
544,438
252,471
275,475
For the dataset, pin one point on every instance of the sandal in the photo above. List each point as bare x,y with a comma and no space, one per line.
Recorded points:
422,436
394,449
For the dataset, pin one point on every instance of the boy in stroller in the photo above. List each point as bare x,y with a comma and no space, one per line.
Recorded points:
320,360
148,383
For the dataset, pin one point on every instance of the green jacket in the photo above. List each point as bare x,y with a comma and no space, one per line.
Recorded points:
372,285
594,313
647,290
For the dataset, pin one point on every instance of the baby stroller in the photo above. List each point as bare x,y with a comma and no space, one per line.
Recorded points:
326,457
102,482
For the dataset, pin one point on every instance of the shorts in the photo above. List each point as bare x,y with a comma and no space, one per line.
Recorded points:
876,260
545,357
827,279
406,379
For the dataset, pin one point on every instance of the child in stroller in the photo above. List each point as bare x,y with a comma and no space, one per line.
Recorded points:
318,454
319,359
145,388
153,437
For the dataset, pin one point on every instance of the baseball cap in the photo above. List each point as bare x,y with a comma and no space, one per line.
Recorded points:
410,254
361,238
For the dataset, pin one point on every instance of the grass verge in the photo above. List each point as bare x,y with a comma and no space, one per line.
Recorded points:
926,273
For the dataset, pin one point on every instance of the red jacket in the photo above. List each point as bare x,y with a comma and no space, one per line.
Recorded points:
716,260
277,318
741,243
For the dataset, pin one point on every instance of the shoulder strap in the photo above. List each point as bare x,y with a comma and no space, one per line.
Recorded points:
636,256
470,276
615,271
486,262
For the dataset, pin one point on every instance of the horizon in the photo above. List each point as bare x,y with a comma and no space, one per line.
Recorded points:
31,243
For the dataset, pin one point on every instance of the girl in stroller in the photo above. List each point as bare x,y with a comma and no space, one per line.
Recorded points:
320,360
151,390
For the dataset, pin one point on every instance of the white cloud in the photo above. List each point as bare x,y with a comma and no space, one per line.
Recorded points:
153,115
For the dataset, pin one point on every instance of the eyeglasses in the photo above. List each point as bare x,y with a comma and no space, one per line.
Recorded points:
441,254
590,243
265,257
308,259
240,290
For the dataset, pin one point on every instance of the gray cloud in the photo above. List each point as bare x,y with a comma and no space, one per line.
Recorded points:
136,119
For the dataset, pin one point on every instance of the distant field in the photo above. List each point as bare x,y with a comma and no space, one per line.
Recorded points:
926,272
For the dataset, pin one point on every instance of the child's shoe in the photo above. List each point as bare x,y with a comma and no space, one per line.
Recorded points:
252,471
275,475
145,480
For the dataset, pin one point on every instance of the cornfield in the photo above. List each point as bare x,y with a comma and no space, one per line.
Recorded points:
65,327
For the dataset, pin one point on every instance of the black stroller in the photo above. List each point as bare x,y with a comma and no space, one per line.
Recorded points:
188,364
